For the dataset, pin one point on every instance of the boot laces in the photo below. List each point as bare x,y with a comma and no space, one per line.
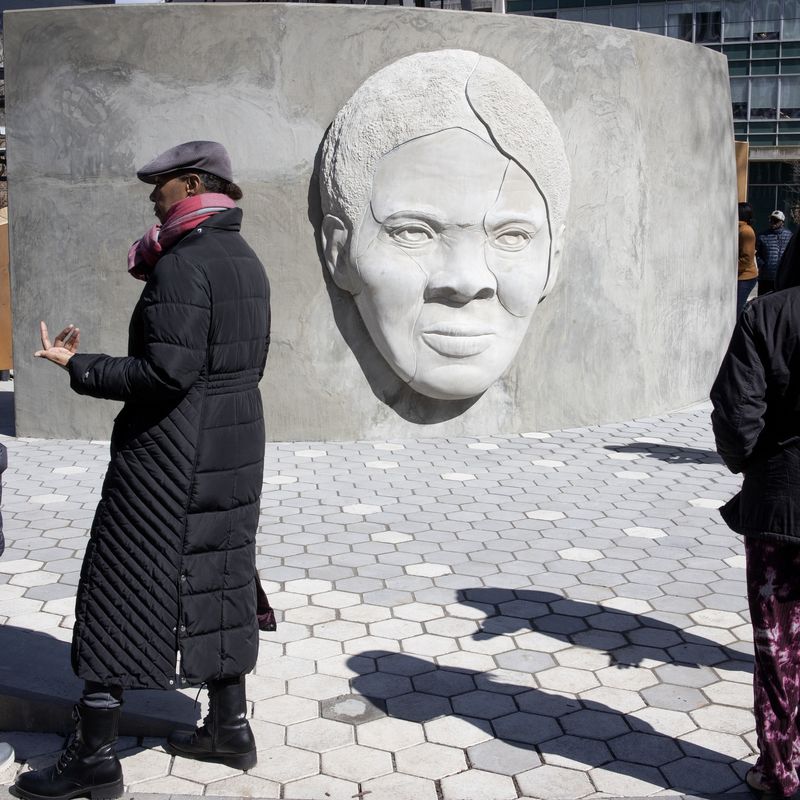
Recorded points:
73,745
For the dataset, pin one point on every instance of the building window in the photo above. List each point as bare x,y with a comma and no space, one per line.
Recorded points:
599,16
763,98
790,98
766,19
791,19
739,97
736,16
624,17
680,21
651,17
707,22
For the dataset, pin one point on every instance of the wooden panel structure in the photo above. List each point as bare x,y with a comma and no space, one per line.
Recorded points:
5,295
742,157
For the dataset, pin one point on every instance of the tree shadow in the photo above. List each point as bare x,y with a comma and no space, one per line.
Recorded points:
626,638
561,730
672,454
38,690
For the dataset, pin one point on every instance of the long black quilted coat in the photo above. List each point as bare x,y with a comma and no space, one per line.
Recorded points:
170,563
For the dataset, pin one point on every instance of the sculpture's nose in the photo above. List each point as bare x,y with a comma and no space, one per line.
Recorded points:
462,274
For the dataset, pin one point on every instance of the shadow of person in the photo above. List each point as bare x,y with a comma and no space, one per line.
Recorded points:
559,730
38,690
627,638
672,454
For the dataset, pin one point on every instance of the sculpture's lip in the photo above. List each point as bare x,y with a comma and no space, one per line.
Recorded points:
457,345
458,329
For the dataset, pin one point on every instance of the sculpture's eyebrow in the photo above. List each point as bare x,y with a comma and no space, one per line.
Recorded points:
431,218
425,214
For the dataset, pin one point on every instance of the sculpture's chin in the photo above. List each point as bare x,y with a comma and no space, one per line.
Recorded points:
452,383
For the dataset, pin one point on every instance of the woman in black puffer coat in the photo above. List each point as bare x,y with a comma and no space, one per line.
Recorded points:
170,564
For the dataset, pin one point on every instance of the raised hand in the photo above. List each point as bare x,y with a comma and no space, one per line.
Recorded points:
62,349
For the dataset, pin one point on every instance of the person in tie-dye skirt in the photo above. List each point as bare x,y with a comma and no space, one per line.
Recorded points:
756,422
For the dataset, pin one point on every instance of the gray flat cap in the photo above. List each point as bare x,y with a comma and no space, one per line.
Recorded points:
209,157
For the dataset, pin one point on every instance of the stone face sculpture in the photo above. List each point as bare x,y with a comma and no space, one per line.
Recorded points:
444,184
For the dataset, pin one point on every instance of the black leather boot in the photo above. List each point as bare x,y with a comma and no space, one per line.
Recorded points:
225,736
88,767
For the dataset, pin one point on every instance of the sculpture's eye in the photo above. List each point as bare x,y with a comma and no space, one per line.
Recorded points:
512,239
414,234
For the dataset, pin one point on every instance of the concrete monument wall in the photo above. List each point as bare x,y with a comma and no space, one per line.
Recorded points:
586,168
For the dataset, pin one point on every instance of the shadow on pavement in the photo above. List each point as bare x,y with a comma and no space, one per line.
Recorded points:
672,454
627,638
38,690
545,724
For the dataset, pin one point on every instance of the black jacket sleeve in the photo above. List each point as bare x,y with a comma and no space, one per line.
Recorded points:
176,314
739,395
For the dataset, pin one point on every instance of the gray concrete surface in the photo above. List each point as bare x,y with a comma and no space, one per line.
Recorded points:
643,307
545,616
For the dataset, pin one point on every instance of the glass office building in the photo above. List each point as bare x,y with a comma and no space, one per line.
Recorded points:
761,39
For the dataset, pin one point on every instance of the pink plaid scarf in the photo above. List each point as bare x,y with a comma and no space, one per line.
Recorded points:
183,217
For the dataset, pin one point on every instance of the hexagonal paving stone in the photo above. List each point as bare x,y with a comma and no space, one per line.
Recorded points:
698,775
643,748
429,645
594,723
289,710
526,728
382,685
144,764
505,758
319,735
724,719
400,787
557,783
622,779
566,679
575,752
444,682
390,734
356,763
283,764
675,698
321,786
665,722
478,784
483,704
318,687
711,744
458,731
430,760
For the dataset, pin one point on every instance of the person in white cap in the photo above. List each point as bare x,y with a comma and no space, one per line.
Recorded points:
770,247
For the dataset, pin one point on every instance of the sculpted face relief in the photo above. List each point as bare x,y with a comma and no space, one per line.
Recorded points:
451,259
444,186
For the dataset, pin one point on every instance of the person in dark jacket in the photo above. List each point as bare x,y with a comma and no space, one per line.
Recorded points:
756,421
6,750
170,565
770,247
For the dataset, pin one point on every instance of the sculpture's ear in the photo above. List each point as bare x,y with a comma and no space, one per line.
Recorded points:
336,249
555,260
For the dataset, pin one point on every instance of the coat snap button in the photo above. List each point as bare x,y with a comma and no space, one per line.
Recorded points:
183,577
86,374
172,683
183,629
